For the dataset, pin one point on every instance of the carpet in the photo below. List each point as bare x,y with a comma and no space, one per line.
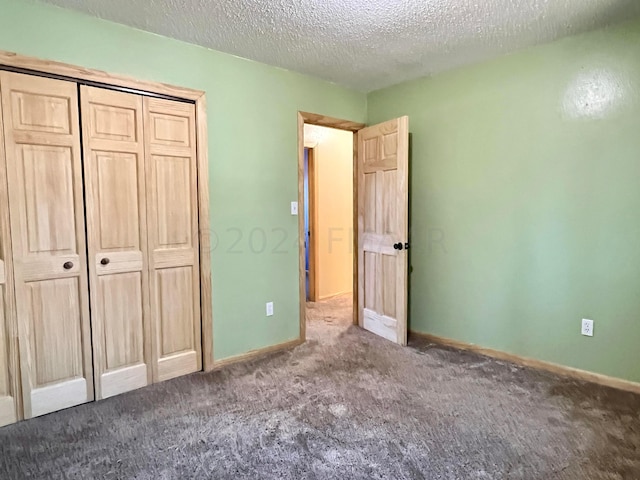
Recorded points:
344,405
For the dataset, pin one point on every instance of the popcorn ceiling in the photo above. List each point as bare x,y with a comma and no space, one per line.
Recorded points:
363,44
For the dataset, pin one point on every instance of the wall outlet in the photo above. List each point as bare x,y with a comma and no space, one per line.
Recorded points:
269,309
587,327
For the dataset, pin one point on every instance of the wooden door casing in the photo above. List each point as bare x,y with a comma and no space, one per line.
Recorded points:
114,170
42,138
172,218
9,380
383,220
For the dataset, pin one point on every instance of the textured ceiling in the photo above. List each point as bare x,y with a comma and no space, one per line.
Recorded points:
364,44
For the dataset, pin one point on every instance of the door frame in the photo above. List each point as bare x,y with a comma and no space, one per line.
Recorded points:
7,288
63,71
340,124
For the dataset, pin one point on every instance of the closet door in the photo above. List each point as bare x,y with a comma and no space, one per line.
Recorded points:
9,384
47,231
117,242
8,359
170,148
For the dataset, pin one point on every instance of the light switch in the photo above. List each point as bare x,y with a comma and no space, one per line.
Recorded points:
294,208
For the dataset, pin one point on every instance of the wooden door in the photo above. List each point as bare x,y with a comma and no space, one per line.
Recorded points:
9,381
172,216
114,175
48,241
383,228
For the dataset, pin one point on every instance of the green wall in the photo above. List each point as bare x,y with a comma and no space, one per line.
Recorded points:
525,197
525,184
252,115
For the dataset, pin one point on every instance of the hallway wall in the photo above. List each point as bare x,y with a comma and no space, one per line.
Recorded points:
333,156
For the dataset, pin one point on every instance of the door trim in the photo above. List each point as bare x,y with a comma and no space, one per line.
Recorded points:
84,75
7,284
73,72
206,299
324,121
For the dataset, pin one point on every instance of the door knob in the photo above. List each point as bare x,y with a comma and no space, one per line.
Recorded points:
104,261
398,246
68,265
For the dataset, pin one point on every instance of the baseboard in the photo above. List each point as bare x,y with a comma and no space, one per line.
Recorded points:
225,362
570,372
333,295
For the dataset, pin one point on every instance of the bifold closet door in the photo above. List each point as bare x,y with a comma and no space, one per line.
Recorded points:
8,357
42,138
117,240
9,383
172,215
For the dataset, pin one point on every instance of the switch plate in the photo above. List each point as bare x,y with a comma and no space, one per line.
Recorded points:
587,327
269,309
294,208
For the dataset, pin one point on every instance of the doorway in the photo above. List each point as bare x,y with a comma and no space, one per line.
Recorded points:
328,212
328,218
379,235
330,237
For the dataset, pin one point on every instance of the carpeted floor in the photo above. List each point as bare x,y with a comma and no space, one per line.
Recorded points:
345,405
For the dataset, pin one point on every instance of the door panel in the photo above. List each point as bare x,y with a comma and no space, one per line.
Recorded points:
119,300
49,226
40,112
383,220
174,299
170,147
117,243
173,207
47,232
54,311
118,216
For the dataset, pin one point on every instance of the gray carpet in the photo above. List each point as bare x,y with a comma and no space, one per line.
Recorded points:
344,405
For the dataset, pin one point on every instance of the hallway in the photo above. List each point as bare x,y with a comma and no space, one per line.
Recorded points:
328,318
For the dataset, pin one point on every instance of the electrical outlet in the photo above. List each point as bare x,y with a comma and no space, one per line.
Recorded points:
269,309
587,327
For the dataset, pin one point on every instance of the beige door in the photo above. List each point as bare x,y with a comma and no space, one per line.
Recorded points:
48,240
9,383
172,216
383,220
117,241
